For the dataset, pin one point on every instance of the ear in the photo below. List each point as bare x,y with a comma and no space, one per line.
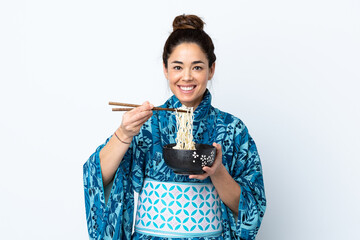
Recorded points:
211,71
165,71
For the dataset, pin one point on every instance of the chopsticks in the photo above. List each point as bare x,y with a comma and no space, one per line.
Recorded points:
132,106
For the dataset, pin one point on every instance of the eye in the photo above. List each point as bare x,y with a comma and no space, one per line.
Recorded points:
177,68
197,68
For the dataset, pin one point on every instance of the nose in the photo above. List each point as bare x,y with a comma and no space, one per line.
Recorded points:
187,75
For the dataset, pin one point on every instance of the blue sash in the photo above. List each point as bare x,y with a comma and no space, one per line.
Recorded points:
178,209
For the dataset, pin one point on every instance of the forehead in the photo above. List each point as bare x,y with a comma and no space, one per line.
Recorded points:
187,52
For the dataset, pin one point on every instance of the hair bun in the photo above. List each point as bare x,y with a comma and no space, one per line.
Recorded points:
188,22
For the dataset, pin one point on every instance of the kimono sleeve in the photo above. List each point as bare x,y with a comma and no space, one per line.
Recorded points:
247,172
111,219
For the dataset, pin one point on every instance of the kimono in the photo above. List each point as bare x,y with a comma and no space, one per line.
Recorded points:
112,217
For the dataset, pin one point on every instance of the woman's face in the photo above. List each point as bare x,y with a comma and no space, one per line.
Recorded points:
188,73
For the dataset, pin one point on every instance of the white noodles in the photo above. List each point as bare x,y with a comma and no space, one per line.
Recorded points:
184,125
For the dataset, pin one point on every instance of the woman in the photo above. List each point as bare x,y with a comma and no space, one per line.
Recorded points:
232,199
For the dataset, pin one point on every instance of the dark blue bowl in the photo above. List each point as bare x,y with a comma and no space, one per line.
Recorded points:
189,162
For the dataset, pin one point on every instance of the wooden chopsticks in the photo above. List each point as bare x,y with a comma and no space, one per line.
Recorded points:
132,106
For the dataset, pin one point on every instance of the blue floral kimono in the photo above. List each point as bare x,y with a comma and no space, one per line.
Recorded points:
112,218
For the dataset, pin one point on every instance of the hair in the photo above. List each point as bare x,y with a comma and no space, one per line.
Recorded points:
189,29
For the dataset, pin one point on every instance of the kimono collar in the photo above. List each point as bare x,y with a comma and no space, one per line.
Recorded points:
201,111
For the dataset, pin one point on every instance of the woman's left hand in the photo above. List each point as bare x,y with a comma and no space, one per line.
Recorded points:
209,171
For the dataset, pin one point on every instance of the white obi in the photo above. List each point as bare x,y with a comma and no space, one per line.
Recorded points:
178,209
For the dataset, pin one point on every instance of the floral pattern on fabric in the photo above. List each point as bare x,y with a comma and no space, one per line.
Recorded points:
113,219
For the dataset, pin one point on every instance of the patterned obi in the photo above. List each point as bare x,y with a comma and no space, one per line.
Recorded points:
178,209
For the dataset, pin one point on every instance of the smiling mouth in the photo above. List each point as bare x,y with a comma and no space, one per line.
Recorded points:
187,88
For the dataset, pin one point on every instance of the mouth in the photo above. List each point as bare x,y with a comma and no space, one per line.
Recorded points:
186,89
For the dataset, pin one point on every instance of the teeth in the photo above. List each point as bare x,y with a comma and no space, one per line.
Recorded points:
187,88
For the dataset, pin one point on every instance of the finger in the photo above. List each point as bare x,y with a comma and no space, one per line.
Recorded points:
217,146
146,106
130,123
137,117
142,115
132,115
199,177
135,126
207,169
218,150
202,177
210,170
139,123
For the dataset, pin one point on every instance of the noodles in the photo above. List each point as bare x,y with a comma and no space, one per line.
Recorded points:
184,124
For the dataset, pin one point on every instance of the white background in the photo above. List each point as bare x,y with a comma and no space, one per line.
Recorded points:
288,69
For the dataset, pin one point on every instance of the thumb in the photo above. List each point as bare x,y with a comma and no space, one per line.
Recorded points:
217,146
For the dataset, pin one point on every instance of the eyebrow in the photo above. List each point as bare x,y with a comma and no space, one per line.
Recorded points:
194,62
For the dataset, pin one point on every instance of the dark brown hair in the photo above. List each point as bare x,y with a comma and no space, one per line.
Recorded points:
189,29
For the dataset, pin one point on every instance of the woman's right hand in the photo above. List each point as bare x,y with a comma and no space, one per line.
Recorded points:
133,120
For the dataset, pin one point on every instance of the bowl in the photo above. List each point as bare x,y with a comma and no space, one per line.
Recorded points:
189,162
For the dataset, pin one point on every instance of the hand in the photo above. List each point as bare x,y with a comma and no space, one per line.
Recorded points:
133,120
214,169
